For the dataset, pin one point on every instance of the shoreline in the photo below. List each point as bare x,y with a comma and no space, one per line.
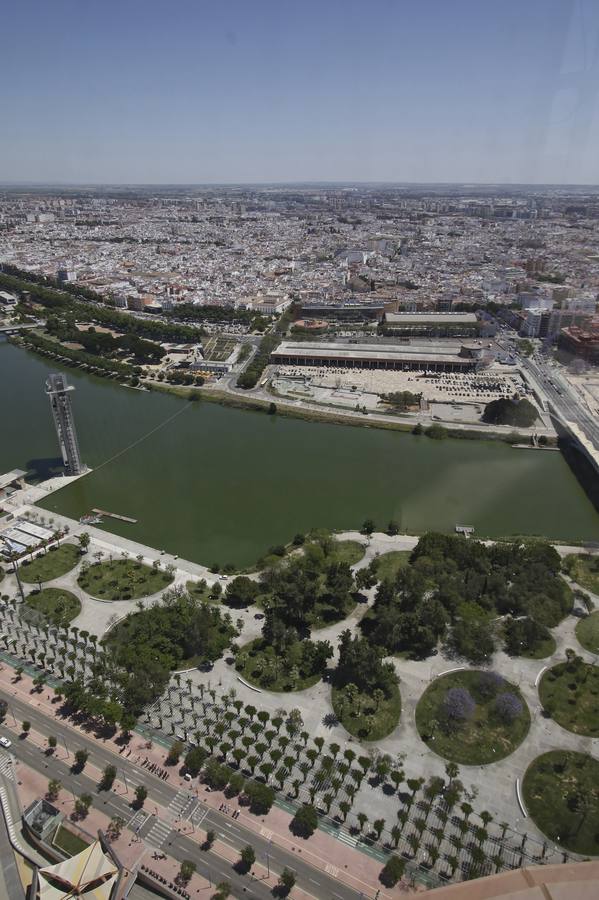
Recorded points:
242,400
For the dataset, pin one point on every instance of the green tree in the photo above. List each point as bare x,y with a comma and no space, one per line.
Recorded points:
81,757
305,821
247,858
108,777
187,869
392,871
54,787
141,794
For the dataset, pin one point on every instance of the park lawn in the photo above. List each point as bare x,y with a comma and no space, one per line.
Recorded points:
587,632
56,562
350,552
570,693
584,570
251,659
389,564
200,591
561,794
481,740
55,604
122,579
68,842
544,649
356,720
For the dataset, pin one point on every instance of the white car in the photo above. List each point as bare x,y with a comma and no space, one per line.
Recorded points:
4,742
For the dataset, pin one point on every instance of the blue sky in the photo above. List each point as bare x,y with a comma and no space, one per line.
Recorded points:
142,91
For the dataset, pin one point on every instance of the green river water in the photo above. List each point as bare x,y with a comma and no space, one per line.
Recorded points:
216,484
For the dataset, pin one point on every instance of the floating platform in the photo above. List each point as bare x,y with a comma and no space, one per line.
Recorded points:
464,529
103,512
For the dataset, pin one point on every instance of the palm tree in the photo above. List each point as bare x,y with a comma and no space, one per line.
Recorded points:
362,820
396,835
345,808
378,826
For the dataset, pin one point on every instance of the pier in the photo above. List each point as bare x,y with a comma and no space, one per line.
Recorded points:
103,512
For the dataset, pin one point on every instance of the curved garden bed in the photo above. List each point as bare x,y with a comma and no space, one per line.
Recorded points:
259,664
472,717
369,718
122,579
587,632
569,692
56,562
561,794
55,604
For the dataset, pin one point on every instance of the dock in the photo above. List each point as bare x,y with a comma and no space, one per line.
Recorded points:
103,512
466,530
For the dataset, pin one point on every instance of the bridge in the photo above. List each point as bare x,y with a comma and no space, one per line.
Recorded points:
14,329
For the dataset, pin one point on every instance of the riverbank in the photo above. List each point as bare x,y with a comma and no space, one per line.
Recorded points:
310,413
238,399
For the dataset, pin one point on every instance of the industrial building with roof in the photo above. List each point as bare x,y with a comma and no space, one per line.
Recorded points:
431,357
434,324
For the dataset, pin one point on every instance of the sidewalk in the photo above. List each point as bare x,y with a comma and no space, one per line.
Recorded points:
351,866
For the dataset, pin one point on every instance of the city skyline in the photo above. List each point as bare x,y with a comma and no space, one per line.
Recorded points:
434,93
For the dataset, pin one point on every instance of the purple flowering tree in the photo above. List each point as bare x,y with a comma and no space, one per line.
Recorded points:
458,705
489,683
508,707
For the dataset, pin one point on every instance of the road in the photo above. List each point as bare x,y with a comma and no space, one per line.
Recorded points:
313,881
564,399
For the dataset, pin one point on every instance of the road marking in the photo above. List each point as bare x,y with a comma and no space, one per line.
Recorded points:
332,870
265,833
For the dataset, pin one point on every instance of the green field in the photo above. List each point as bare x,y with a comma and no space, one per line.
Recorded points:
570,693
561,793
485,737
587,632
55,604
56,562
122,579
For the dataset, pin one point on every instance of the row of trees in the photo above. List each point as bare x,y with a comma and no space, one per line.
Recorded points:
63,302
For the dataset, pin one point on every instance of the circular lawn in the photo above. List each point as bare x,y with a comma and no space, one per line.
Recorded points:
561,793
569,692
472,717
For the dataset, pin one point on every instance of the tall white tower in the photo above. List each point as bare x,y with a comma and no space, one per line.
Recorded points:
58,391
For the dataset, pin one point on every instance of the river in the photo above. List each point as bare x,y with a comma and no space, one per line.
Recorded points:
216,484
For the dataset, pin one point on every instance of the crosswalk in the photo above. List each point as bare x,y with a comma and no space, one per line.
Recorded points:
158,834
7,767
182,805
347,838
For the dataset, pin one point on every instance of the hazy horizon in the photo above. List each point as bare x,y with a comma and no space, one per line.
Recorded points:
393,92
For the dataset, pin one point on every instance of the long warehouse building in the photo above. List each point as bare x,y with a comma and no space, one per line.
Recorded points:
430,358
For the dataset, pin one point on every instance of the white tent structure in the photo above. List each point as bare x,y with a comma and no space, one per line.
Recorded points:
90,874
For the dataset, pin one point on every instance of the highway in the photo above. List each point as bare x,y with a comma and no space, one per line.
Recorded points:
163,838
